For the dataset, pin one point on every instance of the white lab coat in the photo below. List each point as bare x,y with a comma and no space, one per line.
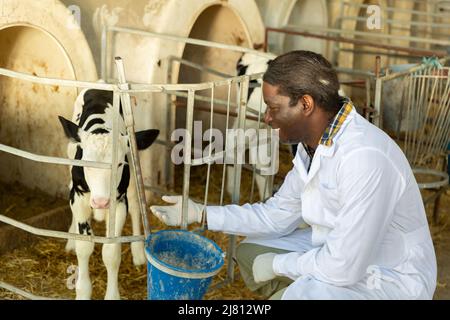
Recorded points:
369,236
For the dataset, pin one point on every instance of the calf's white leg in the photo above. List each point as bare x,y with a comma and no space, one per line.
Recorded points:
70,245
137,248
81,211
111,254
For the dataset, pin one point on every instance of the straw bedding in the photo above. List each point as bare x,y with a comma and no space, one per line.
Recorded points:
42,268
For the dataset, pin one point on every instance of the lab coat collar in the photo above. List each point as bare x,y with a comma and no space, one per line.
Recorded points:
322,151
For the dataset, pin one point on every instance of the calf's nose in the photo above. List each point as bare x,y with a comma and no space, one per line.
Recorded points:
100,203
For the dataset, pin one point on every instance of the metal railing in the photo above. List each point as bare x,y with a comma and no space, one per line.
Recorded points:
241,109
435,31
121,92
416,108
382,80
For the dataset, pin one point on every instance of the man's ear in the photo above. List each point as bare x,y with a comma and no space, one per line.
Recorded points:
70,129
308,104
146,138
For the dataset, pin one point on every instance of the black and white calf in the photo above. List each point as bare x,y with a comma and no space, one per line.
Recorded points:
90,134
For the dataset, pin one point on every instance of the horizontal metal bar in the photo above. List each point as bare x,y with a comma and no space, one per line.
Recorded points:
56,82
102,86
308,34
368,34
410,70
200,67
53,160
442,182
421,1
133,88
355,72
163,192
23,293
204,99
221,155
162,88
218,110
379,53
197,42
170,88
400,22
397,10
66,235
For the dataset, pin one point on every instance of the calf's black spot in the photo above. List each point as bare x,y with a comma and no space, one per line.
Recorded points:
93,122
84,228
79,184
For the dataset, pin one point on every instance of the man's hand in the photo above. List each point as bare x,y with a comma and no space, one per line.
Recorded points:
263,267
171,215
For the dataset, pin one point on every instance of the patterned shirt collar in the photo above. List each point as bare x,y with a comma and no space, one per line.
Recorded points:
333,128
336,124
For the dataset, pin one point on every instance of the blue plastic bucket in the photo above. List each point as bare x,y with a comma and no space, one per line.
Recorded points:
181,265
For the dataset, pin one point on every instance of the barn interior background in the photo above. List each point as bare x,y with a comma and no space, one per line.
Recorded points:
77,40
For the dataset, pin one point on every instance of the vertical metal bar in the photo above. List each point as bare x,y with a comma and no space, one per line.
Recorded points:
268,185
442,111
444,97
187,157
336,44
439,117
129,123
407,118
103,58
438,144
111,230
208,174
433,117
237,173
445,105
417,110
378,116
368,97
225,152
258,127
428,105
171,115
266,40
378,120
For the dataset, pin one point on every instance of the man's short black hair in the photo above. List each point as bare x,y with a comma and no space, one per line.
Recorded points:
299,73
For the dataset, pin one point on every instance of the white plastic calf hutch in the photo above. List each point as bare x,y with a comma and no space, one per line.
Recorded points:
46,45
410,24
40,38
149,59
278,14
52,45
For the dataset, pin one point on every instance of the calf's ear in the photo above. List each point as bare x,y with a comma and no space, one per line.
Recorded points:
70,129
146,138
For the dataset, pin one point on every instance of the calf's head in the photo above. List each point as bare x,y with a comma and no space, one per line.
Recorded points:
97,146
